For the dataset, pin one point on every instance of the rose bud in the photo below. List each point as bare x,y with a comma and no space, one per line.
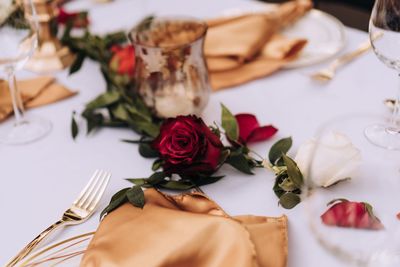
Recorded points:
123,60
78,19
250,130
351,214
188,147
331,159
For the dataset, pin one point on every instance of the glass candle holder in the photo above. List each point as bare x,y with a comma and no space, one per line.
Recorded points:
171,73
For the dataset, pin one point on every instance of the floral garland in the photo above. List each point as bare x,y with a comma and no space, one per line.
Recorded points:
187,152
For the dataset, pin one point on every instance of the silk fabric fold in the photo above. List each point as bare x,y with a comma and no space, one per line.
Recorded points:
243,48
34,92
186,230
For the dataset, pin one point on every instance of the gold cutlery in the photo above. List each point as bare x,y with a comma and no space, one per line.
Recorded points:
81,209
327,74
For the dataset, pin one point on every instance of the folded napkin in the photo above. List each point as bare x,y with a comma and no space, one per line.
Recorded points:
34,92
186,230
243,48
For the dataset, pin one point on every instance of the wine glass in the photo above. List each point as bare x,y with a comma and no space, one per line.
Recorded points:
18,41
371,175
384,29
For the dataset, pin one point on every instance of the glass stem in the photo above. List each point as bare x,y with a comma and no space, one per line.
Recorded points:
17,104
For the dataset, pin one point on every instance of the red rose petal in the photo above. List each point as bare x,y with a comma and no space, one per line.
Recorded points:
352,215
262,134
247,124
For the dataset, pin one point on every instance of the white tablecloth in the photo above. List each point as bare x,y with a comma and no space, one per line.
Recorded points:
39,180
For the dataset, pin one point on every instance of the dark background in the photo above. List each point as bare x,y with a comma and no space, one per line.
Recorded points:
353,13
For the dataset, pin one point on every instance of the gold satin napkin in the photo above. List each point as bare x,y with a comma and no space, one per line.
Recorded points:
243,48
187,230
34,92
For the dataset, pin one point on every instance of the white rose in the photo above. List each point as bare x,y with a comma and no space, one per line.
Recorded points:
334,158
6,8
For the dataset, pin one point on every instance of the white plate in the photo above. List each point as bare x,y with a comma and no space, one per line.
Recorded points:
325,34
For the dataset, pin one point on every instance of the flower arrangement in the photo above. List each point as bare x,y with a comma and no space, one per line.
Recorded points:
188,153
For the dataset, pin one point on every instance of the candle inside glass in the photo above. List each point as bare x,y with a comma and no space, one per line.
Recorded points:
171,73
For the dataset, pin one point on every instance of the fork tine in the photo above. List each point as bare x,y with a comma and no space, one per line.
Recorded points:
89,190
82,193
100,193
95,190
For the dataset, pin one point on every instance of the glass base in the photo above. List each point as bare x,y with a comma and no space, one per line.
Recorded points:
30,130
383,136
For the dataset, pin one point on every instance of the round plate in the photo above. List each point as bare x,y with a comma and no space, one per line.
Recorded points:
325,33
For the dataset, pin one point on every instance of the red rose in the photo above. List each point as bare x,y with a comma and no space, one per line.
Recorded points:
188,146
351,214
250,130
123,59
78,19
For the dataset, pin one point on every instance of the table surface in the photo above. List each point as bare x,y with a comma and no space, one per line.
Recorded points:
39,180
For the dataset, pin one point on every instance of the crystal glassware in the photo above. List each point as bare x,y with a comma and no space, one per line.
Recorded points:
18,41
370,175
384,32
171,73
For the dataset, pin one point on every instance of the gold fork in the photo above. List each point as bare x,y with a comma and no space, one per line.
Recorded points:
327,74
81,209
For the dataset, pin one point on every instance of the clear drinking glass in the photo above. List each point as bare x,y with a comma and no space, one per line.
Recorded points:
18,41
374,180
384,32
171,73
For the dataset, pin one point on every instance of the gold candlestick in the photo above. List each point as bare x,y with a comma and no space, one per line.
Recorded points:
50,55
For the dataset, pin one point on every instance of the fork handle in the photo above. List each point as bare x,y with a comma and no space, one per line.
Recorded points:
346,58
34,243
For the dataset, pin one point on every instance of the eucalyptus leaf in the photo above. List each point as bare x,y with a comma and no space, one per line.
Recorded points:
135,196
229,123
287,185
278,149
294,172
117,200
289,200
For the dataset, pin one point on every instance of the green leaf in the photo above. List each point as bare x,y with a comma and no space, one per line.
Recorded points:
147,151
74,127
117,200
177,185
104,100
229,124
205,180
80,58
287,185
156,178
239,162
120,113
294,172
156,165
135,196
278,149
289,200
278,180
137,181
